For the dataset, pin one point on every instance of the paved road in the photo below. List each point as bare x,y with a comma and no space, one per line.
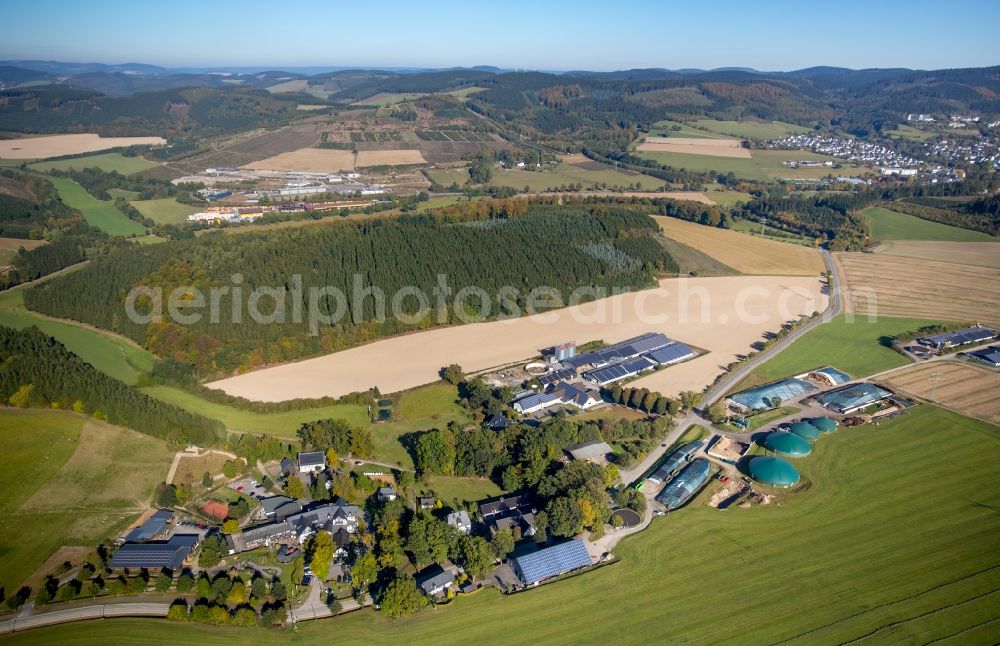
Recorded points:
834,308
315,608
104,611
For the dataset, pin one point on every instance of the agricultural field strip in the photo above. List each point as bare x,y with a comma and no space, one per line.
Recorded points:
710,147
981,254
58,145
964,387
927,288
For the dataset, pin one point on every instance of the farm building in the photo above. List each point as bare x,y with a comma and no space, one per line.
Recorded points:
161,554
990,356
675,461
955,338
805,430
155,527
310,461
853,398
556,376
534,403
763,396
563,392
774,472
683,487
629,358
789,444
551,561
591,451
824,424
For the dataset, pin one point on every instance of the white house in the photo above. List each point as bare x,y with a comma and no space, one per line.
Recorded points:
460,520
310,461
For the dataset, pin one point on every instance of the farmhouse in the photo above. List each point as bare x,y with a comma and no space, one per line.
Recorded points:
435,580
160,554
574,394
503,506
460,520
853,398
551,561
990,356
310,461
955,338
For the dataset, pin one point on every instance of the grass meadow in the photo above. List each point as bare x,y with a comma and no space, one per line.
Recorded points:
98,213
749,129
890,225
105,161
166,210
741,167
68,480
868,547
859,348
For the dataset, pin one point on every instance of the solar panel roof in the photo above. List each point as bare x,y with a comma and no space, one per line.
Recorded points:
671,353
556,375
552,561
623,350
168,554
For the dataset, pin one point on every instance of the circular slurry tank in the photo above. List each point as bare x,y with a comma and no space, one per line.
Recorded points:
537,368
789,444
805,430
628,517
774,472
824,424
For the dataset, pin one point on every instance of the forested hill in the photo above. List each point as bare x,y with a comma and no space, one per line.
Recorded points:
38,371
561,247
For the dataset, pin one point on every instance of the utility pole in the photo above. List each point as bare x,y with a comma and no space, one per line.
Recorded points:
934,383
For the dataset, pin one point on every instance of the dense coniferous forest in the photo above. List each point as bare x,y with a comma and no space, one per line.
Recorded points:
560,247
36,370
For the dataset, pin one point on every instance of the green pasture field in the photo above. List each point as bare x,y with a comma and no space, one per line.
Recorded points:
103,215
449,176
749,129
565,174
166,210
457,493
908,132
464,92
105,161
109,353
739,166
728,198
115,193
388,99
663,129
438,202
890,225
283,424
869,548
420,409
68,480
859,348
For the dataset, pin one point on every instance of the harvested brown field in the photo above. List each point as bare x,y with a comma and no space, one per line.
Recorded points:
921,288
277,142
317,160
981,254
745,253
398,157
58,145
13,244
695,146
967,388
708,313
190,468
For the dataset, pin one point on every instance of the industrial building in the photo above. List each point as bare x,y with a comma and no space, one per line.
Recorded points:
155,527
773,472
675,461
685,484
551,561
762,396
955,338
853,398
788,444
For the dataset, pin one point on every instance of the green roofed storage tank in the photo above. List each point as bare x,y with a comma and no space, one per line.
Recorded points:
788,444
806,430
825,424
775,472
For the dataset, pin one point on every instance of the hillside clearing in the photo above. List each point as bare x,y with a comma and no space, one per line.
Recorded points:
695,146
744,253
166,210
98,213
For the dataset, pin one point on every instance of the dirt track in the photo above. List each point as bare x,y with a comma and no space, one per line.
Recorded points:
704,312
